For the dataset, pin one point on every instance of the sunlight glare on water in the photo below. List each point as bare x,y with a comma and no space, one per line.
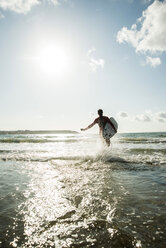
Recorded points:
70,191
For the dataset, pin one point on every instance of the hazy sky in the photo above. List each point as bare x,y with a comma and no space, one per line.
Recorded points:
61,60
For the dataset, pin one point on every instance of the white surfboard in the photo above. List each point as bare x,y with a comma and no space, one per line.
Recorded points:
109,131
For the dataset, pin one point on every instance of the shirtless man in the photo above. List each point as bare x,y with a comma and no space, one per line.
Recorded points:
101,121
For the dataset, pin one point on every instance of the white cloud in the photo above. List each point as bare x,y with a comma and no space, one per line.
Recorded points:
160,116
93,49
147,117
151,36
161,120
96,63
19,6
153,61
122,115
93,62
23,6
151,116
144,118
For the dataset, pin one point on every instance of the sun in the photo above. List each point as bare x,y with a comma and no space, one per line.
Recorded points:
52,60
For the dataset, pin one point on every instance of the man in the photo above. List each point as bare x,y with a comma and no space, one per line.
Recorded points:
101,121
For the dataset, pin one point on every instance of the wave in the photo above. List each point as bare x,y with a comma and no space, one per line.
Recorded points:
147,151
117,160
142,140
38,132
76,139
28,158
29,140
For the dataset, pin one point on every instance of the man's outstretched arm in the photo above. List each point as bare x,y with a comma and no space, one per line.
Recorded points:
91,125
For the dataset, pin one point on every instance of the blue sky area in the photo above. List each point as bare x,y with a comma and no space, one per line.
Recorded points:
61,60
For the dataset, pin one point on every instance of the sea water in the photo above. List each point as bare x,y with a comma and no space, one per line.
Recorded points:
69,190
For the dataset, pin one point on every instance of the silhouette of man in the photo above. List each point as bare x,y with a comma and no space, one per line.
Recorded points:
101,121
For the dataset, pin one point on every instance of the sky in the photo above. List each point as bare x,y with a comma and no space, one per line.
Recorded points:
62,60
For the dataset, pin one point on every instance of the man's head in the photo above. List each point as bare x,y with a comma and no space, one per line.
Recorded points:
100,112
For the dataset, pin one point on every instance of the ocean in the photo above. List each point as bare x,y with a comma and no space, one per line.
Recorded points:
66,189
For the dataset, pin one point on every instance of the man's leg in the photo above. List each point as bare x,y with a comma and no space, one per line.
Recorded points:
108,142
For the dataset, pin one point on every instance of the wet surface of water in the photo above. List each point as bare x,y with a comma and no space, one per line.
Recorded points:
106,199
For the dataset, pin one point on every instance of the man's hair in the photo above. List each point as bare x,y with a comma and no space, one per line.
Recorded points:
100,112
